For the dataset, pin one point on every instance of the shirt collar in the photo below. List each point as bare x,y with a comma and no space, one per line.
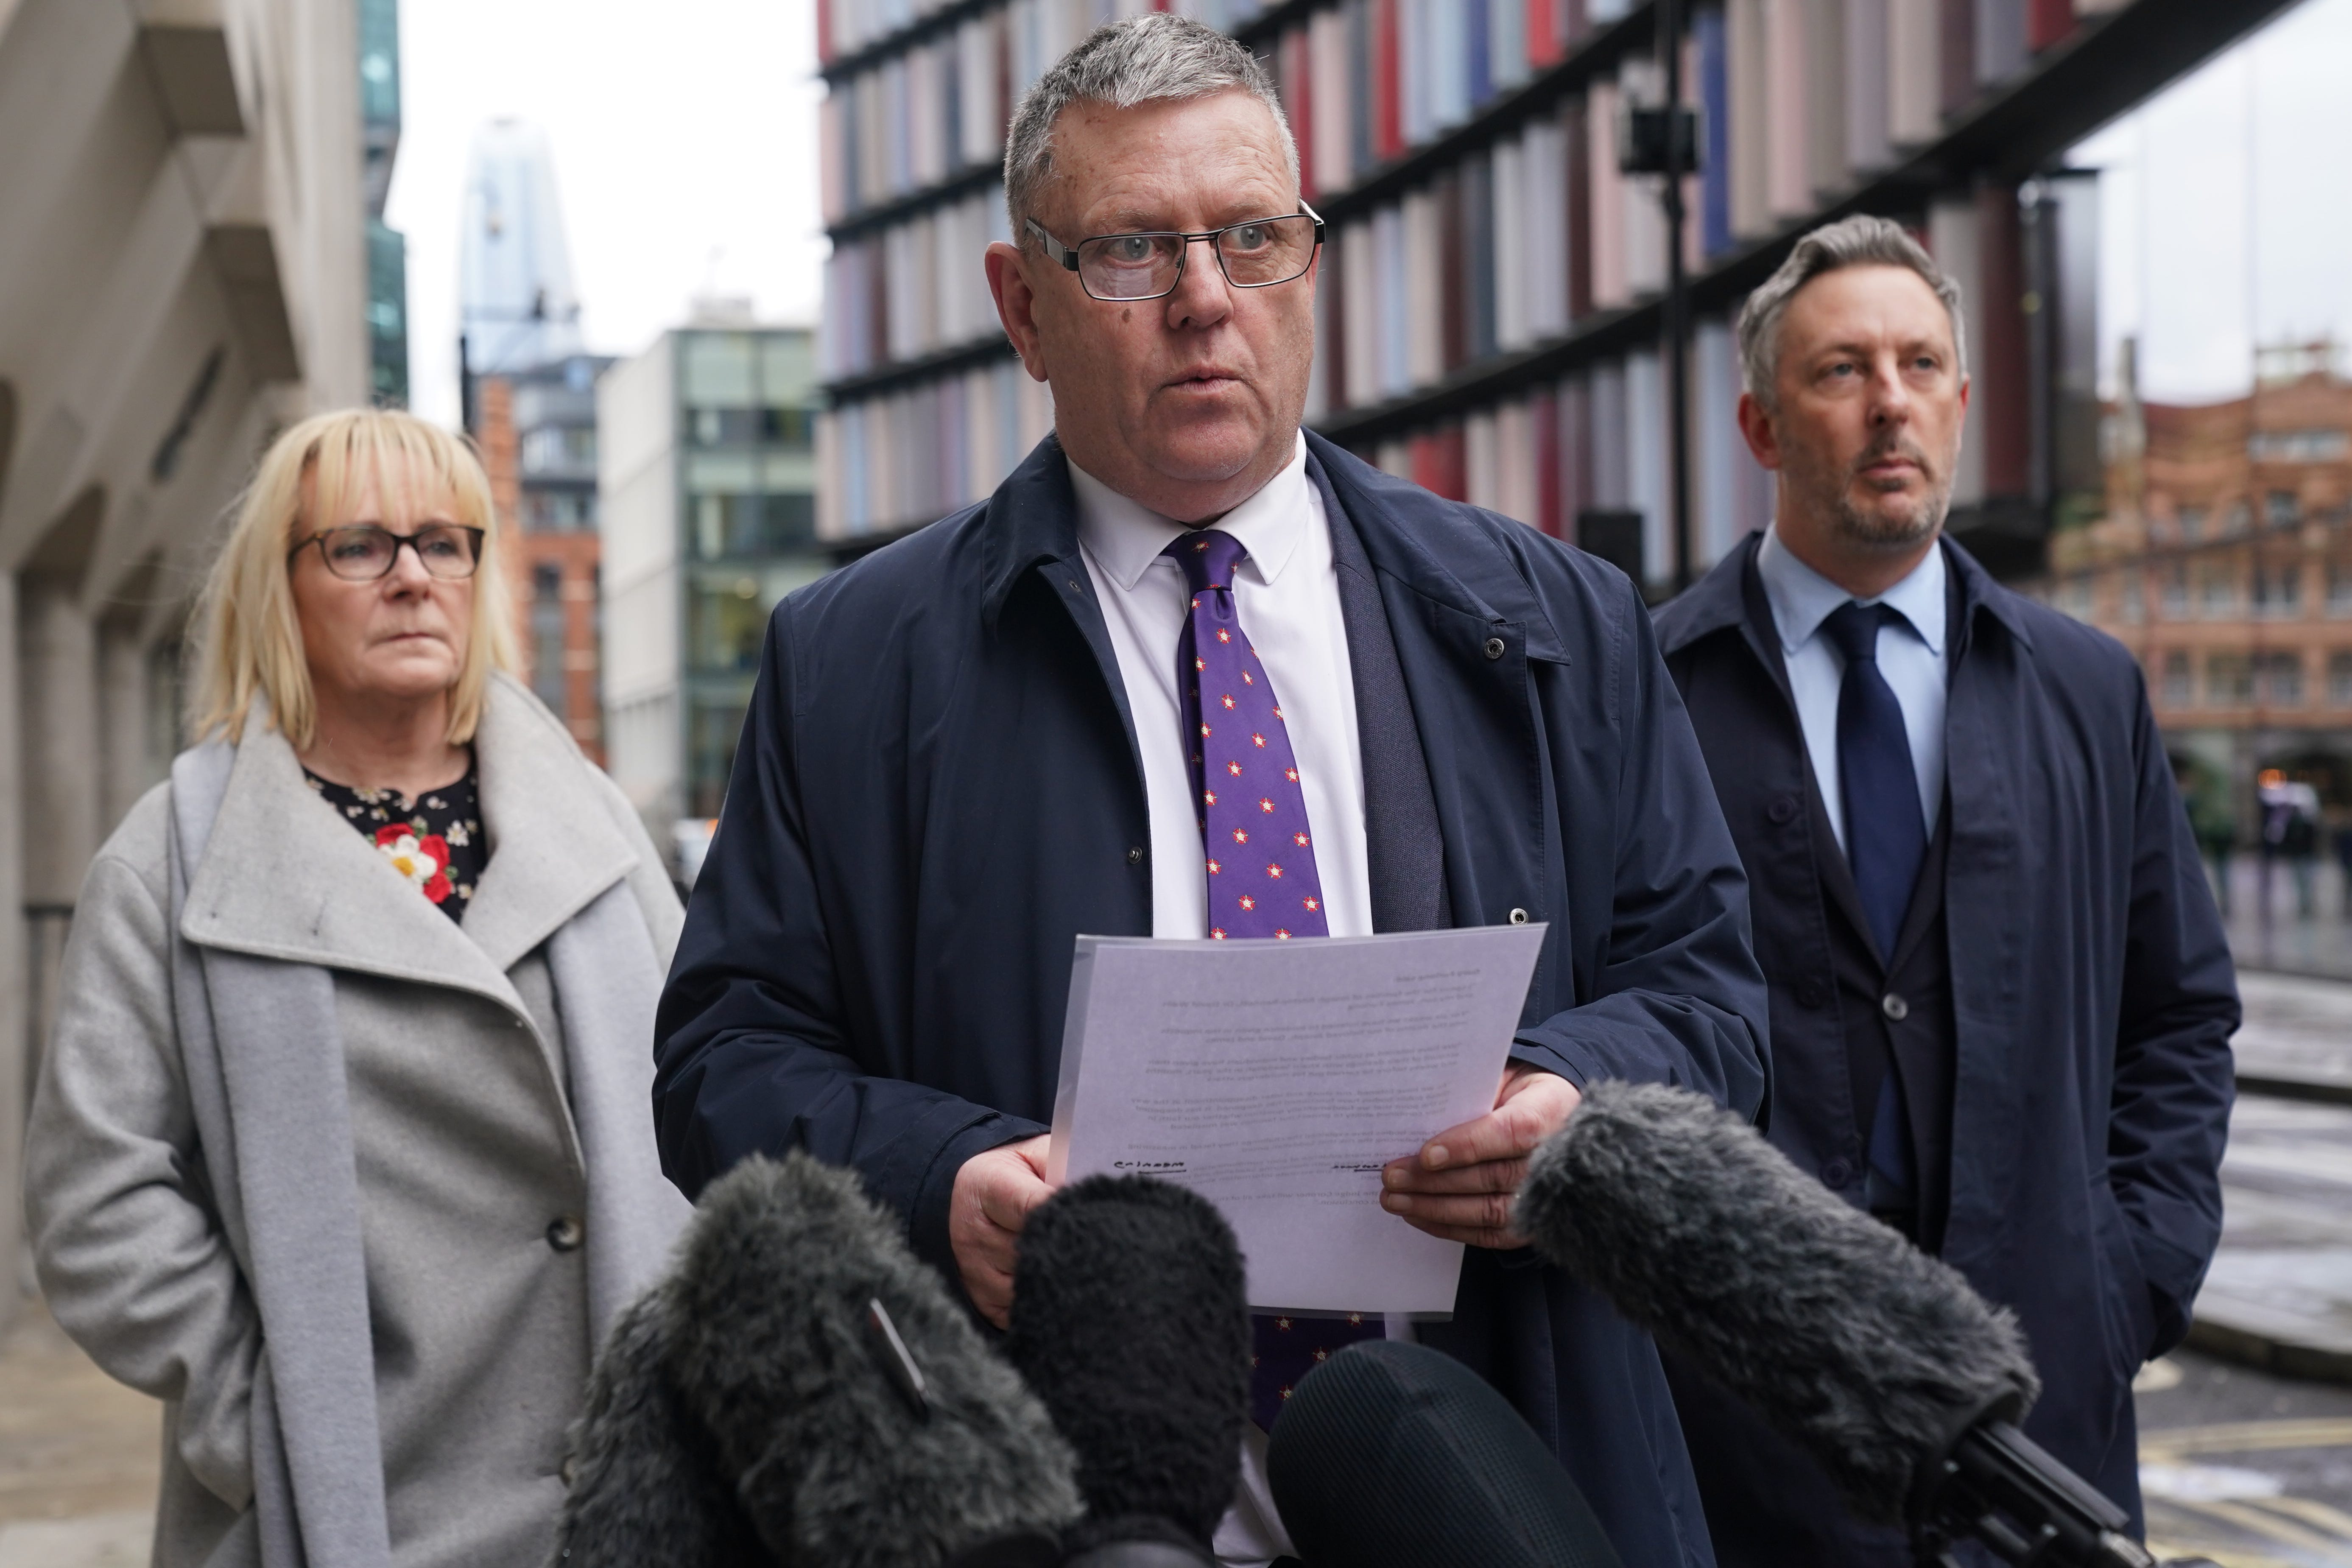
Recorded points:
1801,598
1125,537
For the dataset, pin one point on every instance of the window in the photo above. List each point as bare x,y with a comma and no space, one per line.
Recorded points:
559,511
2278,593
560,449
2339,588
2297,446
2229,681
726,620
2192,524
790,428
2281,509
2339,679
547,672
728,526
2219,593
2176,593
2180,686
2282,679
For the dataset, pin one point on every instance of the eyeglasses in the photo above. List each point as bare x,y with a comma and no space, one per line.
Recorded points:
1123,268
362,553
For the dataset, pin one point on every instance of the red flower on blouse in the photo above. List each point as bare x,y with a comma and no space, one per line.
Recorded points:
424,862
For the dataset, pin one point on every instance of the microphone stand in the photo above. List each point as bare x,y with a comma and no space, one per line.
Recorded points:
1998,1486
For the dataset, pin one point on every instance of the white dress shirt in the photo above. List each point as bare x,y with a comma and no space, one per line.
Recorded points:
1287,594
1911,656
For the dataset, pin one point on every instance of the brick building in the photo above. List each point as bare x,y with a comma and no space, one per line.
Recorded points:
538,434
2224,561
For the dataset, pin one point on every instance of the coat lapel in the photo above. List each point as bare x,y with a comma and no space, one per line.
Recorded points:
1470,705
1405,850
285,877
554,845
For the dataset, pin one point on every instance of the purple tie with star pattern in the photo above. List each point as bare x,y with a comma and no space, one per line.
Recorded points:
1261,871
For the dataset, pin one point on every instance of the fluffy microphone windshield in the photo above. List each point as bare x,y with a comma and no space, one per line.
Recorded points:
751,1409
1130,1318
1863,1350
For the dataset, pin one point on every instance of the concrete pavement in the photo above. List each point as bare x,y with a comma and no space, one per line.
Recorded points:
79,1455
2280,1293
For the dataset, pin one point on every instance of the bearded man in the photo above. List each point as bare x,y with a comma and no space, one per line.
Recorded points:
2000,1003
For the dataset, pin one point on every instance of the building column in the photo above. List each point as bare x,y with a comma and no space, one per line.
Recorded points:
59,753
126,765
17,1058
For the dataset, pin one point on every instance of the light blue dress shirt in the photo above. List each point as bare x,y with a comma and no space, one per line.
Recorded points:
1911,656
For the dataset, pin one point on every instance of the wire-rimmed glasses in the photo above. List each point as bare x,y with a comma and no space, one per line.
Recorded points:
364,552
1120,269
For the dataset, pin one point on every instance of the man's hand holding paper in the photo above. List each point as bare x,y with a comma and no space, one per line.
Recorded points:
1459,1185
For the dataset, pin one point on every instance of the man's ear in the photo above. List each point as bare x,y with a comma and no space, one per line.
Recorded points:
1756,425
1016,305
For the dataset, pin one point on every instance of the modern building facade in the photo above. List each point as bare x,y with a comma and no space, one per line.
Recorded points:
1491,313
708,474
387,251
516,304
182,272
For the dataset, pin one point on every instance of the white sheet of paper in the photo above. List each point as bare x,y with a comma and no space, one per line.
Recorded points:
1277,1078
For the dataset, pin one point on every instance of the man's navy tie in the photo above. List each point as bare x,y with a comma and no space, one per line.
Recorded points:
1885,840
1261,870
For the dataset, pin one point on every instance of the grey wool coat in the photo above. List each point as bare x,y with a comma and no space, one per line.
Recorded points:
353,1188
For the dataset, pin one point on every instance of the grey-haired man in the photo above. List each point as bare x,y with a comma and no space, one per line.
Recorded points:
969,747
2000,1001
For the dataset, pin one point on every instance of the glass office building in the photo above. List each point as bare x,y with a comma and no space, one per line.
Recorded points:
708,495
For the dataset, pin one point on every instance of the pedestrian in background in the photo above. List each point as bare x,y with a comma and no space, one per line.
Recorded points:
341,1146
2000,1000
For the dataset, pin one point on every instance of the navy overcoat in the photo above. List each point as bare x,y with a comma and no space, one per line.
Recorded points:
2092,994
938,789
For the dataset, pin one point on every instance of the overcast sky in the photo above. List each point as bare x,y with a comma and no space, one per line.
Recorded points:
685,143
2228,204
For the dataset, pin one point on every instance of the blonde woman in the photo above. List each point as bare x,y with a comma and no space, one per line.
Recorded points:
343,1146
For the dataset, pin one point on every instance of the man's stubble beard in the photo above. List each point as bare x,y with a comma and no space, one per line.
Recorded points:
1872,532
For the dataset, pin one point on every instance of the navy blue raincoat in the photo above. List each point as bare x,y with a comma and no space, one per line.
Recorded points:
2092,994
937,788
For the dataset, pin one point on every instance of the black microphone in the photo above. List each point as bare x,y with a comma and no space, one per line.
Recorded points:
1392,1455
801,1389
1131,1320
1880,1362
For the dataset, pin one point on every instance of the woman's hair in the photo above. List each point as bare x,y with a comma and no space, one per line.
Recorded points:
250,640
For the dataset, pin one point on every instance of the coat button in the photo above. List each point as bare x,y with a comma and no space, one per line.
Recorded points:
1812,992
1495,648
1783,809
1135,855
1895,1007
1519,917
1836,1174
564,1234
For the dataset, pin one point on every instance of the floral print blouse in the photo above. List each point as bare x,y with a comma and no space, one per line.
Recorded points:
434,841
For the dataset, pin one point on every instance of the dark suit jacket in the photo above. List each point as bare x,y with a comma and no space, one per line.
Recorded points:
937,788
2092,993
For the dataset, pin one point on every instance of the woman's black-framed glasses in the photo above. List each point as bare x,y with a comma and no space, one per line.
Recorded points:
1120,269
362,551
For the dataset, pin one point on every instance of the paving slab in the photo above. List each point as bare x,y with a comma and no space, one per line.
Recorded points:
75,1446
